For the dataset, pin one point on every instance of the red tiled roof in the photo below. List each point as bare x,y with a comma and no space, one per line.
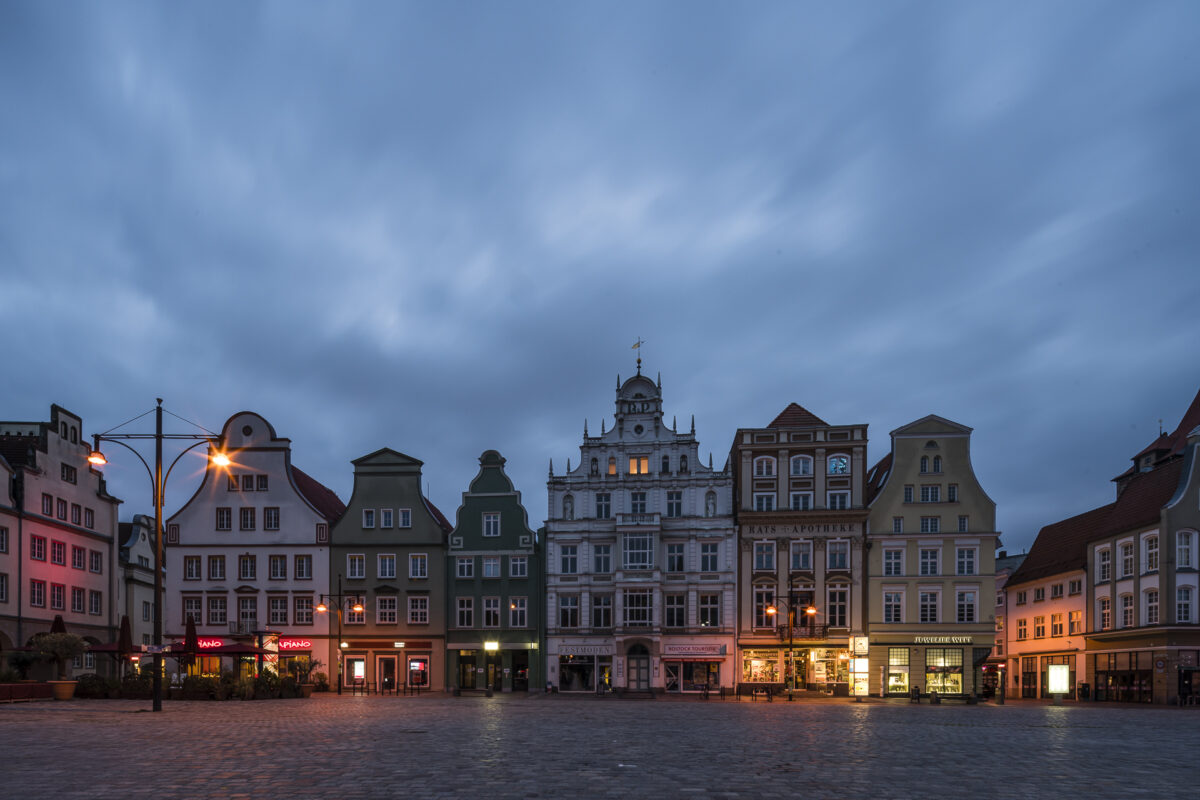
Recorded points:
795,416
322,498
1060,547
1172,443
438,515
877,477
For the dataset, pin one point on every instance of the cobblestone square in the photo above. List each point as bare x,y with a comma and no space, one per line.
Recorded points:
553,746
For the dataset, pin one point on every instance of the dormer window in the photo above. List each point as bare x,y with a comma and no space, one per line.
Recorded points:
764,467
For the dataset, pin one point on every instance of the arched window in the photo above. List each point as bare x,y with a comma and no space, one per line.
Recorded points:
64,430
74,435
924,464
802,465
683,464
666,464
595,467
937,463
838,464
612,465
764,467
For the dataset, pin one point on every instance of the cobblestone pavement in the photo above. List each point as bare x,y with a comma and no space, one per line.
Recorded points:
553,746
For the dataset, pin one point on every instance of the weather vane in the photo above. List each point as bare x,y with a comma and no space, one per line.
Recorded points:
638,346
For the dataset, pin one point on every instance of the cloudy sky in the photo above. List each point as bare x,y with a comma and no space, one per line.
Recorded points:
440,227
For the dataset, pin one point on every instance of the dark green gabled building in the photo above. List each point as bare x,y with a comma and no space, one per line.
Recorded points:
494,589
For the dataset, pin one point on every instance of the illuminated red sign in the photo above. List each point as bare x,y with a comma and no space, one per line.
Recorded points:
210,642
294,644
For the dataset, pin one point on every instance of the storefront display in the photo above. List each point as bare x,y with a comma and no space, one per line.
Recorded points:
944,670
897,670
760,666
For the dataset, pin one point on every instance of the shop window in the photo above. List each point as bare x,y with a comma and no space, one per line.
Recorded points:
897,681
944,670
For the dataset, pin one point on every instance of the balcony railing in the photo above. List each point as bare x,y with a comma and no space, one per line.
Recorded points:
803,632
244,627
625,518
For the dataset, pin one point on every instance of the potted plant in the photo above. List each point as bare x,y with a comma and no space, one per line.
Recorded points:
58,647
302,670
23,661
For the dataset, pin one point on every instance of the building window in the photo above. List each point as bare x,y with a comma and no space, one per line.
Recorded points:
674,504
1127,618
405,520
518,566
612,465
62,509
518,612
931,524
491,566
603,505
247,519
191,568
937,463
637,551
247,483
929,561
1151,607
1074,586
47,505
491,612
802,501
1022,630
675,609
1183,549
1150,558
95,603
1056,591
568,559
838,554
802,466
1127,559
568,611
4,543
710,610
802,551
835,607
675,558
193,607
37,548
893,607
302,611
708,557
924,464
931,494
466,612
1075,622
216,611
418,611
952,492
764,467
76,513
491,523
58,552
216,568
261,481
838,465
964,523
666,465
386,609
277,567
89,518
271,518
67,473
893,563
602,605
764,556
465,567
637,502
277,610
764,501
356,566
967,603
96,562
304,568
247,568
386,566
897,524
966,561
1039,594
837,500
1105,614
387,518
908,494
928,603
602,558
1103,565
639,465
232,484
764,598
356,617
58,597
418,565
368,515
224,519
639,607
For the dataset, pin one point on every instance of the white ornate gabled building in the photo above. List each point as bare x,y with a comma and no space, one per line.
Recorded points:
641,559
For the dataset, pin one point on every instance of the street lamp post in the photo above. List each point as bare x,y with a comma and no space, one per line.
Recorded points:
791,609
159,481
343,600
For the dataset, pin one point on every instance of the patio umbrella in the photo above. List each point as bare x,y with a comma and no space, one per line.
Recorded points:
58,626
191,643
124,642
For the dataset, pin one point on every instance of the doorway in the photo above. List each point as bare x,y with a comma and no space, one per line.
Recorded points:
639,669
385,674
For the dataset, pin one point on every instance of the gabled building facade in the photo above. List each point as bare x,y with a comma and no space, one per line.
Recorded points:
58,530
389,554
932,534
247,557
135,582
495,593
801,513
640,554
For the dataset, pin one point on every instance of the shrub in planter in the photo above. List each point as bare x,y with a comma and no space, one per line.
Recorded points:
9,675
227,685
289,688
23,661
245,689
196,687
322,681
95,686
137,686
266,686
59,647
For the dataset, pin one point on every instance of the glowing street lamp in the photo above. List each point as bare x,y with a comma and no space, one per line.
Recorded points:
158,482
810,611
341,601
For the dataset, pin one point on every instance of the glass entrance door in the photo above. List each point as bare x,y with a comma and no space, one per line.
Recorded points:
671,675
385,673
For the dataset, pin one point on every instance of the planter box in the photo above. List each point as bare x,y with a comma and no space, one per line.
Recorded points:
63,690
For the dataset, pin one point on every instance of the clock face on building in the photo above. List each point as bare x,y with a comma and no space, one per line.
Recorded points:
839,465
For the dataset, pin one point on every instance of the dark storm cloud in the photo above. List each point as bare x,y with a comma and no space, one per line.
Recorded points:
440,227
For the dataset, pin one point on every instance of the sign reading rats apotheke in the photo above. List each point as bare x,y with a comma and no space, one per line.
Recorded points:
942,639
823,527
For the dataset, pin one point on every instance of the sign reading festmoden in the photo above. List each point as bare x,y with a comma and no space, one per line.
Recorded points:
943,639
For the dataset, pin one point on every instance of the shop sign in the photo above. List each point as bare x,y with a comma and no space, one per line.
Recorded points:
862,685
859,645
295,644
849,528
693,650
943,639
585,650
210,642
1059,678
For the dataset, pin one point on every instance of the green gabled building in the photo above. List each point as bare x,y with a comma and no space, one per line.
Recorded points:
494,589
